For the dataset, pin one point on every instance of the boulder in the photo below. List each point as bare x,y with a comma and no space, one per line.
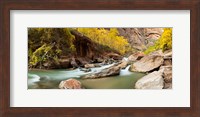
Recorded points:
99,60
97,65
123,64
147,63
114,56
167,54
167,62
136,56
153,80
70,84
168,86
167,73
91,65
111,71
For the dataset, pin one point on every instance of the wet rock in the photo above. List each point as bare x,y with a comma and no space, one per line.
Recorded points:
111,71
147,63
97,65
153,80
70,84
123,64
85,70
91,65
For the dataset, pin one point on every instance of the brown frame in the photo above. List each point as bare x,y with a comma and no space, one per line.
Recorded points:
7,5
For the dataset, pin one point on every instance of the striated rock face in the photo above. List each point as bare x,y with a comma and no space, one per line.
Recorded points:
151,35
70,84
147,63
153,80
141,38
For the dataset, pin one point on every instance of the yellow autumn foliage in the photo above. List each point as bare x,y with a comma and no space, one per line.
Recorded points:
164,42
108,37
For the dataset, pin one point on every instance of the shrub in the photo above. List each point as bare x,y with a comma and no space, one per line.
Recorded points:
164,42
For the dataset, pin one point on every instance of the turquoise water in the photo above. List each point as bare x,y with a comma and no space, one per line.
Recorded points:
50,79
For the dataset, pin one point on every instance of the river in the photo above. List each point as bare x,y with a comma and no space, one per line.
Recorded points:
50,79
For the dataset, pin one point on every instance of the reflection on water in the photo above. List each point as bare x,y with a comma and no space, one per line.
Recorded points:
50,79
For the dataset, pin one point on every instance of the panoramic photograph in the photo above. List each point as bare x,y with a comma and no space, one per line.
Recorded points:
99,58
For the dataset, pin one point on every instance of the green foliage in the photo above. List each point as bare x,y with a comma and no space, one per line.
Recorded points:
41,54
150,49
107,37
47,44
164,42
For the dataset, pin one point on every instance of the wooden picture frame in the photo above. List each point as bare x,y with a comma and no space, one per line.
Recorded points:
7,5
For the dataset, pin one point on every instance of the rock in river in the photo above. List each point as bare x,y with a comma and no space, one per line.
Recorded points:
111,71
70,84
147,63
153,80
91,65
123,64
85,69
